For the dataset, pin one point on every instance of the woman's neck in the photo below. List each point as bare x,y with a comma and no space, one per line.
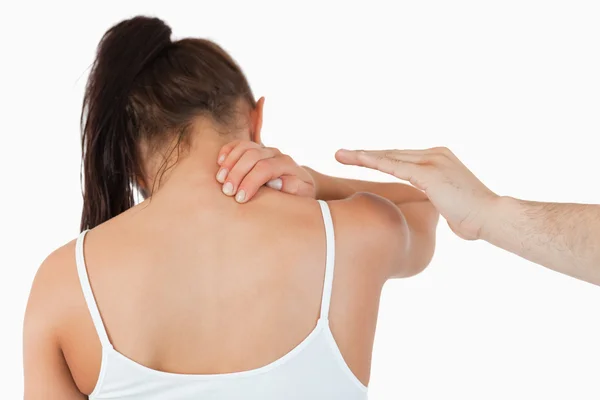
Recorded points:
191,172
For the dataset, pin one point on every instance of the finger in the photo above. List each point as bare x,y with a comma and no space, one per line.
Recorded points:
409,171
232,158
294,185
432,150
276,184
347,157
264,171
243,166
225,150
366,158
352,157
286,184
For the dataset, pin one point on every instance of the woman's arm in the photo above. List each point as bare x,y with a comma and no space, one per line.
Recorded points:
246,166
47,375
410,218
417,219
333,188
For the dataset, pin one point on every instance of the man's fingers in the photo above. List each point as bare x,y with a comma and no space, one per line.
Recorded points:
352,157
404,166
348,157
376,159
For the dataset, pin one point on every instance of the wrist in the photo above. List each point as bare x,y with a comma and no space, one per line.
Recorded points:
328,187
496,214
316,178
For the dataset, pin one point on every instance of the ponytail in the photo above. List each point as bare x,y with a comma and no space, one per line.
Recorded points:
109,125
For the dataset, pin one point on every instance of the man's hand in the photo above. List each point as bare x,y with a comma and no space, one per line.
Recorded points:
247,166
462,199
560,236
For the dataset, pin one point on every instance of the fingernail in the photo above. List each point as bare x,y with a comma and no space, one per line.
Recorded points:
228,189
221,159
276,184
241,196
222,175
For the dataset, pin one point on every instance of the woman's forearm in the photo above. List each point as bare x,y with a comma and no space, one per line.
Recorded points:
333,188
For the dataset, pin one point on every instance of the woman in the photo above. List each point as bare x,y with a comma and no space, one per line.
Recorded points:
190,294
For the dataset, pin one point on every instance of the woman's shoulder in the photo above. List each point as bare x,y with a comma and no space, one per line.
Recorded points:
55,289
377,218
379,212
372,229
56,269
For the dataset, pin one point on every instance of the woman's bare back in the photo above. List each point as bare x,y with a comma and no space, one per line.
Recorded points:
215,287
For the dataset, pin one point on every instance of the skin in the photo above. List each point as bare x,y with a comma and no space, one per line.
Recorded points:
175,297
246,166
560,236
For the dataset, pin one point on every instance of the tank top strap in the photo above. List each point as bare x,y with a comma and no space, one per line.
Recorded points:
330,259
87,291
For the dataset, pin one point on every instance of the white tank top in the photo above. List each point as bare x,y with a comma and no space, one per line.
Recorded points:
314,369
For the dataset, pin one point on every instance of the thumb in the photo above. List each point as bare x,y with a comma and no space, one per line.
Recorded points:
296,186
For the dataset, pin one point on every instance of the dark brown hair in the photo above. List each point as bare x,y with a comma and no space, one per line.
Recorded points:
145,87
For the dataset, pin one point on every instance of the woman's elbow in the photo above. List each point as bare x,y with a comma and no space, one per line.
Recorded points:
422,254
418,245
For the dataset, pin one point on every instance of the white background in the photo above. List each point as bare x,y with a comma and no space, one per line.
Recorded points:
513,87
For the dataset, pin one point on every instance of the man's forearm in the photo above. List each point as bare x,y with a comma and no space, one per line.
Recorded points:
561,236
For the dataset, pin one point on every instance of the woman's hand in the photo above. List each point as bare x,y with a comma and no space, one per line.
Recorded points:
247,166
